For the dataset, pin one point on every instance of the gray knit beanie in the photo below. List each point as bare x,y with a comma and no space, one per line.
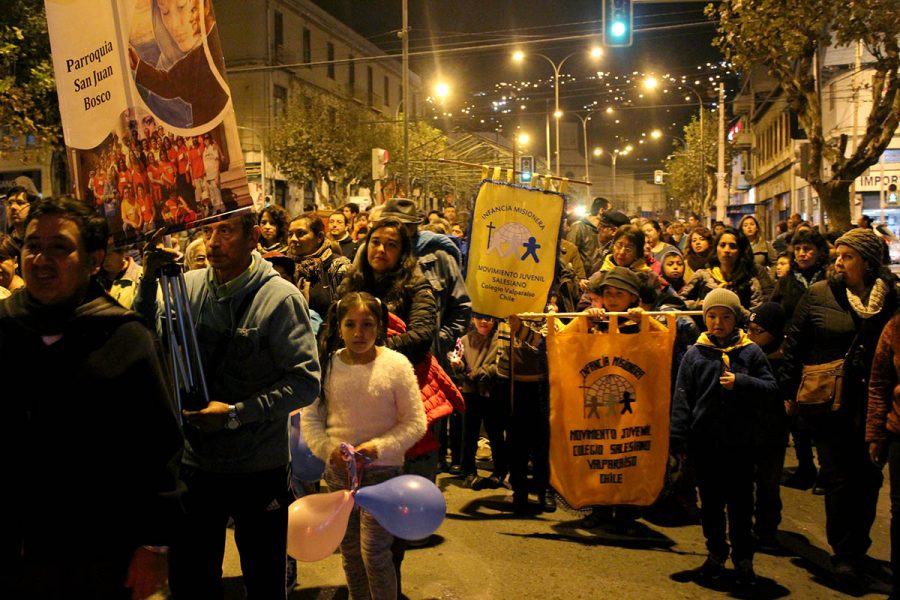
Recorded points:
722,297
866,242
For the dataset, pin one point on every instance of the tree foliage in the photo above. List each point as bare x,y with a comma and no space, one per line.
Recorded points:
28,102
691,169
786,37
322,136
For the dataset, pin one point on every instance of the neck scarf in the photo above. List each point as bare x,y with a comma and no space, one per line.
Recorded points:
736,340
876,300
309,268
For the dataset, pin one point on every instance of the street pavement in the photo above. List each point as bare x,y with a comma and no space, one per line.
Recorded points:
483,552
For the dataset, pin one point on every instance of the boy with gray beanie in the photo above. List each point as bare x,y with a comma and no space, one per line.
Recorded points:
715,409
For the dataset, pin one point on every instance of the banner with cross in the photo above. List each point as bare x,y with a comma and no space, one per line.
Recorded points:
513,248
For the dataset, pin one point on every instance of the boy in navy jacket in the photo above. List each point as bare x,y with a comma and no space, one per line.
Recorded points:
714,413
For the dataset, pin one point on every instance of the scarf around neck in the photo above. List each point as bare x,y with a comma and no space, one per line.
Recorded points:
309,268
736,340
876,300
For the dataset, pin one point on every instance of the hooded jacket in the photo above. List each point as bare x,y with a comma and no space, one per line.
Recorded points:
91,445
268,369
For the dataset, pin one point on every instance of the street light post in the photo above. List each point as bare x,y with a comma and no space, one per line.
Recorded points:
587,159
557,67
614,157
651,84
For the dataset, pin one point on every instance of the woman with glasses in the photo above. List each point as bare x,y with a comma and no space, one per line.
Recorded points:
627,250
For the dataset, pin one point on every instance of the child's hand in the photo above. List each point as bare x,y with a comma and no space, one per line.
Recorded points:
336,460
368,449
635,312
727,380
595,313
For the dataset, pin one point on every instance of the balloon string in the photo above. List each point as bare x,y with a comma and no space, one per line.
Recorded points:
356,462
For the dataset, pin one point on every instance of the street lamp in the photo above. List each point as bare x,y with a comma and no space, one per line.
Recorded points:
614,156
587,161
650,83
519,56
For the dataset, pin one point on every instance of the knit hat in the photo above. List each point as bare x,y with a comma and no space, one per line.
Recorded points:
613,218
771,317
595,282
623,279
866,242
722,297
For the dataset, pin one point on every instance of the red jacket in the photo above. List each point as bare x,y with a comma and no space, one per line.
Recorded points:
439,394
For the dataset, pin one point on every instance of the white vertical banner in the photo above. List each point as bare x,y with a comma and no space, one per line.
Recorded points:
146,112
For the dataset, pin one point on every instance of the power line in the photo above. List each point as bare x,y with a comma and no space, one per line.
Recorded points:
454,50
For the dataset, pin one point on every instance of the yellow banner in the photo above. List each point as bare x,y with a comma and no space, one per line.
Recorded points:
512,249
609,413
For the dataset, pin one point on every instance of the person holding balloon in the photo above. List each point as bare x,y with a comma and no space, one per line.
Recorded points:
370,399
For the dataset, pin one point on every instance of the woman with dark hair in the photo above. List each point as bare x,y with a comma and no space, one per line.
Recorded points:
273,229
387,269
763,251
320,267
698,250
627,250
842,318
731,267
809,262
653,235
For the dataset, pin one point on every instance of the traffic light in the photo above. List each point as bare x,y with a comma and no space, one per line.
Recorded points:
617,17
658,177
892,194
379,163
526,168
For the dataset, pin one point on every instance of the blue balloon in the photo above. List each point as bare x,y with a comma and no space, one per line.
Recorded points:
305,465
409,506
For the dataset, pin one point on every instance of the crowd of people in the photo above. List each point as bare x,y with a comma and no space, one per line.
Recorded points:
152,178
361,322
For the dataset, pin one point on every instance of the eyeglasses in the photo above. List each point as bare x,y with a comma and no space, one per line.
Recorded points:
755,330
624,248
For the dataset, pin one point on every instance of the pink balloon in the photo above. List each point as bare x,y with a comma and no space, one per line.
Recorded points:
317,523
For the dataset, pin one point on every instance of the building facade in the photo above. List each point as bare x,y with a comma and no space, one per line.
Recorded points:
275,48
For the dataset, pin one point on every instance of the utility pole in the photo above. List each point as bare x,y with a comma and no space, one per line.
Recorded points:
721,190
405,36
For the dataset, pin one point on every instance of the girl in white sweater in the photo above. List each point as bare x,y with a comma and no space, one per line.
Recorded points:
371,400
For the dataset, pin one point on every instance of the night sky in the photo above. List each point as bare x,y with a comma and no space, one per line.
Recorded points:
670,38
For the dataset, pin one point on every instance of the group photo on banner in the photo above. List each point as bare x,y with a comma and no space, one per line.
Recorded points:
149,126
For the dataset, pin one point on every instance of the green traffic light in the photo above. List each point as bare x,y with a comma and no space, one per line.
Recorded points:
618,29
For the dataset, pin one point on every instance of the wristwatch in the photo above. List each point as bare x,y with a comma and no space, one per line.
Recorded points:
233,421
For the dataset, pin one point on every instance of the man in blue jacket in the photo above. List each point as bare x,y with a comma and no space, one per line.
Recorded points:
259,356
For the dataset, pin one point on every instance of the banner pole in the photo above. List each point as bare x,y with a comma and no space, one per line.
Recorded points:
652,313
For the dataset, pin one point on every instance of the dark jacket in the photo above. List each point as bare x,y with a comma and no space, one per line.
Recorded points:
416,306
584,235
706,415
451,301
91,442
822,330
789,289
